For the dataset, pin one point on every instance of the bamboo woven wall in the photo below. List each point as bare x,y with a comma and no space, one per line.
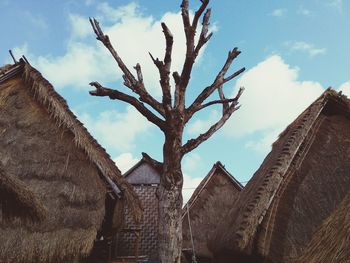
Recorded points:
149,226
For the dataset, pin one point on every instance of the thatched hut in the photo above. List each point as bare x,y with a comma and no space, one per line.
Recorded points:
55,179
141,240
331,242
206,210
298,186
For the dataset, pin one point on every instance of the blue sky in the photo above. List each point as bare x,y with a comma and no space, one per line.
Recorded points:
292,50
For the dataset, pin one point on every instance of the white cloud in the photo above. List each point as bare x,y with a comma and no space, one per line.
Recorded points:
191,162
132,33
18,52
190,165
201,125
279,12
80,26
81,65
117,130
345,88
273,98
303,11
306,47
125,161
89,2
338,4
116,14
263,144
190,184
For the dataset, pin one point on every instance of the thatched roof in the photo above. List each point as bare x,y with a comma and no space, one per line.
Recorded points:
331,242
17,200
49,158
204,186
298,185
207,209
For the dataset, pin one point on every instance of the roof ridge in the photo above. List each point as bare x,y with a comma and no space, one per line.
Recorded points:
273,177
233,179
44,93
204,182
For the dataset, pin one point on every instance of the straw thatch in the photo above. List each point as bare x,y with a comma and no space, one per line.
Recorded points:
57,107
16,200
53,168
299,184
331,242
207,210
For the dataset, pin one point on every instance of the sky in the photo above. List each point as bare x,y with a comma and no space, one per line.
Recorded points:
292,50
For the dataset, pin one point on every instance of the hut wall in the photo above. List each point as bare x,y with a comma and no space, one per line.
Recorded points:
316,183
42,155
126,240
208,212
144,174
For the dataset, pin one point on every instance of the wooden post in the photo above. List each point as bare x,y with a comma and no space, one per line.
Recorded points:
137,233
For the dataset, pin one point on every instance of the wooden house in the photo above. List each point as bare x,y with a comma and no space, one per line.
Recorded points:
60,193
205,210
296,206
145,180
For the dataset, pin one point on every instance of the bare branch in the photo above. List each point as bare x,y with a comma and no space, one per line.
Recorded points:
165,71
190,31
156,61
230,57
232,76
194,143
101,91
179,88
169,46
176,77
185,15
224,102
203,38
139,73
199,12
225,105
219,81
107,43
164,68
164,83
130,81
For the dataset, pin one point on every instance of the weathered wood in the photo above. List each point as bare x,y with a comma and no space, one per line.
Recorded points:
172,115
142,174
13,71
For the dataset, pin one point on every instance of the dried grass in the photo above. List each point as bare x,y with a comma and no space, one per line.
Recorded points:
44,168
50,247
331,242
57,107
260,191
208,210
299,184
18,201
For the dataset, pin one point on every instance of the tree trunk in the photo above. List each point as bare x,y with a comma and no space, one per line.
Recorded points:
171,115
170,202
170,225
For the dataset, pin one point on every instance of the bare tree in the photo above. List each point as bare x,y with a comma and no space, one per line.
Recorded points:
171,115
